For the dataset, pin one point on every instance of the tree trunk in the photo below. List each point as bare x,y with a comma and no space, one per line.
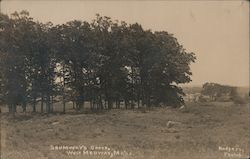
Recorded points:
100,102
132,104
13,109
34,104
73,104
81,105
138,102
105,104
133,89
64,107
126,104
24,105
42,101
48,104
52,104
10,108
110,104
91,104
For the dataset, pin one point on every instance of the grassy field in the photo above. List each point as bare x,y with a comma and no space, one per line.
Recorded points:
201,130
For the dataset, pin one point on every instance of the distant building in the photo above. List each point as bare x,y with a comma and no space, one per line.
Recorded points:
192,97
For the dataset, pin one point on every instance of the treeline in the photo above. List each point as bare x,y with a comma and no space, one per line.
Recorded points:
219,92
103,62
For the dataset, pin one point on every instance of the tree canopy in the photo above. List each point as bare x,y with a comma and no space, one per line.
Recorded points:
217,91
104,62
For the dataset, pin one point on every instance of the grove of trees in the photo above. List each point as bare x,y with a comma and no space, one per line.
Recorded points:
219,92
107,63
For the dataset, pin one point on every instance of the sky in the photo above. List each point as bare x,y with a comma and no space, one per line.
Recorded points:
216,31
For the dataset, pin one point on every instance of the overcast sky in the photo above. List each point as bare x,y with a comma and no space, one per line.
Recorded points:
216,31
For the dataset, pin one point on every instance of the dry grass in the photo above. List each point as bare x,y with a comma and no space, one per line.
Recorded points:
199,130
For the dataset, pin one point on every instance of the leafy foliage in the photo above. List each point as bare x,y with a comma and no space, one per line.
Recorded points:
103,62
217,91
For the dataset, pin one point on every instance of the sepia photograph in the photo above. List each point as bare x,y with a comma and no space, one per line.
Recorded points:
124,79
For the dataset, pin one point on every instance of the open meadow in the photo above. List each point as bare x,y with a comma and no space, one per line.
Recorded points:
201,130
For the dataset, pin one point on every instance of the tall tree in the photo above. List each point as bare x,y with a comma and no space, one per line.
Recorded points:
103,62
